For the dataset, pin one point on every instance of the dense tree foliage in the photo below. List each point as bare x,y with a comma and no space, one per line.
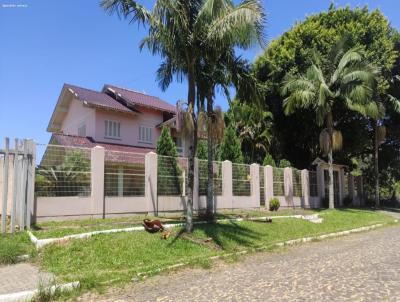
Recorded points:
295,137
230,148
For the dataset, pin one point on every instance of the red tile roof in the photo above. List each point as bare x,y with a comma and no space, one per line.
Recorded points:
88,142
141,99
97,98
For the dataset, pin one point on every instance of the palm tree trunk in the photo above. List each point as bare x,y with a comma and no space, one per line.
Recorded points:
210,158
192,146
376,164
329,122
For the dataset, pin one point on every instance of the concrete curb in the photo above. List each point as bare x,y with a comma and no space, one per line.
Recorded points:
279,244
28,295
40,243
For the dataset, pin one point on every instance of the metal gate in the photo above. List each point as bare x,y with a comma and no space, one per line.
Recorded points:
17,183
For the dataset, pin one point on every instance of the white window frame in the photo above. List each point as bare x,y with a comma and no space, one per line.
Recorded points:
145,134
112,129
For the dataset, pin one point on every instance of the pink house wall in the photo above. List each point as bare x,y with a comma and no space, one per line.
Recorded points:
129,126
77,116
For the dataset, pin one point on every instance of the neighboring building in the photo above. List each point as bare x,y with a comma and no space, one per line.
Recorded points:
116,118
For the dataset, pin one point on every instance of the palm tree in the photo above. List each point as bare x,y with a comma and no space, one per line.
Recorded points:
254,128
179,31
343,77
376,111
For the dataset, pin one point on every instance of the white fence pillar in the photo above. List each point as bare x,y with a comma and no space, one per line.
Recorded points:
227,183
305,188
268,184
288,181
97,181
151,182
255,184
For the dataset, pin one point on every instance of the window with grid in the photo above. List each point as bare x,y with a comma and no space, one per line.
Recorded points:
279,183
145,134
313,184
112,129
297,191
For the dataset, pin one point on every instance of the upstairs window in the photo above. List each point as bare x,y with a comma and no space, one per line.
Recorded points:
145,134
82,131
112,129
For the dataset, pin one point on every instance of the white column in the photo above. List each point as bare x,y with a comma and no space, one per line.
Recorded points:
305,188
268,184
97,180
288,181
227,183
255,185
151,182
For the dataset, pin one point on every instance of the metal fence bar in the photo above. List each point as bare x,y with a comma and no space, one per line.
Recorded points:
5,186
30,198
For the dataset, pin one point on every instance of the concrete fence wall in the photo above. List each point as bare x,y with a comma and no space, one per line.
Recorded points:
99,205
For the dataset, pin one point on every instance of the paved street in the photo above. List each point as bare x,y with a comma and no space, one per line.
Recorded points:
362,267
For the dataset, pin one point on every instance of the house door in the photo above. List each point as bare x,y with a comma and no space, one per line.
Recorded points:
335,185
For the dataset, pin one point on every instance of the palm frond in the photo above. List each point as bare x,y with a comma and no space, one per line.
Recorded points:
127,8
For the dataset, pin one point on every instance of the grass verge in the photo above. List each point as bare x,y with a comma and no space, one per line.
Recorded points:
14,245
56,229
116,258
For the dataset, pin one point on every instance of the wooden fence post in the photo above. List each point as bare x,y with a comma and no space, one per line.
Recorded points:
15,185
5,186
22,195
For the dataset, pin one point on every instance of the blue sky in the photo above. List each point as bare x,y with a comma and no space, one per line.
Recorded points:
46,43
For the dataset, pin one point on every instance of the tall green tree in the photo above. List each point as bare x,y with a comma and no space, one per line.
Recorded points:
170,179
294,135
179,31
344,77
230,148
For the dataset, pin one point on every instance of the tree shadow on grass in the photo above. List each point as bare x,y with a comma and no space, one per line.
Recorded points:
225,235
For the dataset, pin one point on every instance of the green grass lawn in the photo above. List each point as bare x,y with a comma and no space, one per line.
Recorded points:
12,246
116,258
56,229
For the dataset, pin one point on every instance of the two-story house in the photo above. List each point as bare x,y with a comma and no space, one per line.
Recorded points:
116,118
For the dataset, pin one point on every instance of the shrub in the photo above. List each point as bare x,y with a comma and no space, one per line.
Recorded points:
274,204
284,163
268,160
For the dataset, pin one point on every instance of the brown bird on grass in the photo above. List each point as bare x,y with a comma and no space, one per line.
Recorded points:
152,226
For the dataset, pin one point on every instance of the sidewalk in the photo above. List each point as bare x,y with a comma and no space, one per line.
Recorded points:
22,277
